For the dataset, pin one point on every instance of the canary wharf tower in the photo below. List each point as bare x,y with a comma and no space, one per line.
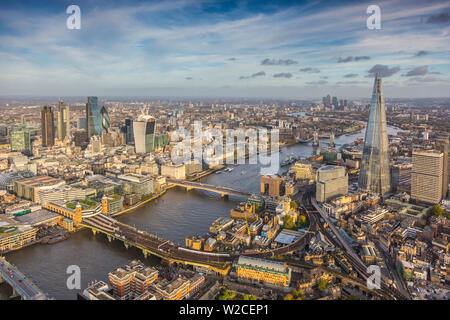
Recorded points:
374,176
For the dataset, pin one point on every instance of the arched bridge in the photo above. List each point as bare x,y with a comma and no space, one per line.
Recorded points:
223,191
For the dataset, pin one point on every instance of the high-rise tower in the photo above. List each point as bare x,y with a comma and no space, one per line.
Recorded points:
374,176
47,127
144,134
63,122
97,119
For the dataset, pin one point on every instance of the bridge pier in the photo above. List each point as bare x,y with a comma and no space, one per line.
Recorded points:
94,232
224,195
126,244
109,238
145,254
189,188
14,293
1,279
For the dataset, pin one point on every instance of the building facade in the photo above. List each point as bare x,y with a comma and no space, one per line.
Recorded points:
427,176
374,176
332,181
263,272
47,127
144,134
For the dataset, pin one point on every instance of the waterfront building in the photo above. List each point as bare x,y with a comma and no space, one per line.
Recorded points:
332,181
244,210
20,140
63,122
144,134
47,127
427,176
68,210
220,224
136,183
271,185
174,171
28,188
374,176
132,280
263,272
14,235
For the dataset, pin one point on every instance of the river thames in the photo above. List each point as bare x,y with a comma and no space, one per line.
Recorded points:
173,216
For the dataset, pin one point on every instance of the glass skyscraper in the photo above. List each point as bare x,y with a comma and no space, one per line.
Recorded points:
144,134
47,127
374,176
63,122
97,119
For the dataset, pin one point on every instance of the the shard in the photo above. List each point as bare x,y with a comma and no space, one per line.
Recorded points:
374,176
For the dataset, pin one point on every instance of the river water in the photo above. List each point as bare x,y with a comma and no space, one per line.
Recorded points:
173,216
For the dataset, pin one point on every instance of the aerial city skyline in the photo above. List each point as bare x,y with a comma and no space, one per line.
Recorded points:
225,151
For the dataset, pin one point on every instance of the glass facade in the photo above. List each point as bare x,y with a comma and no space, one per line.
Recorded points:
375,173
97,119
144,134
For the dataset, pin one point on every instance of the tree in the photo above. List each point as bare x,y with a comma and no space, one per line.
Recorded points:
294,205
437,210
323,284
301,220
295,293
288,222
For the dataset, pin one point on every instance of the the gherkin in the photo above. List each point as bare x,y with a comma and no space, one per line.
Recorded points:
374,176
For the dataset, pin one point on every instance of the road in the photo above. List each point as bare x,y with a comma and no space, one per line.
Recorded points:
209,187
17,280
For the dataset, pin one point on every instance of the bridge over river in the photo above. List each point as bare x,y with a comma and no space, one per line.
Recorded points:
22,286
223,191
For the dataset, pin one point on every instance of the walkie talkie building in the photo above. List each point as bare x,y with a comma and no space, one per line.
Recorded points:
374,176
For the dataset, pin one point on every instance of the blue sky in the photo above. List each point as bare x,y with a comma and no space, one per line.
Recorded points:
289,49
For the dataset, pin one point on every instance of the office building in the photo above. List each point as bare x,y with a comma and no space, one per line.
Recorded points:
174,171
47,127
28,188
97,119
271,185
374,176
263,272
332,181
427,176
128,130
144,134
137,184
20,140
131,280
63,122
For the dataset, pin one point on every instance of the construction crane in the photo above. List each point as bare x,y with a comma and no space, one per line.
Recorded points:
246,223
